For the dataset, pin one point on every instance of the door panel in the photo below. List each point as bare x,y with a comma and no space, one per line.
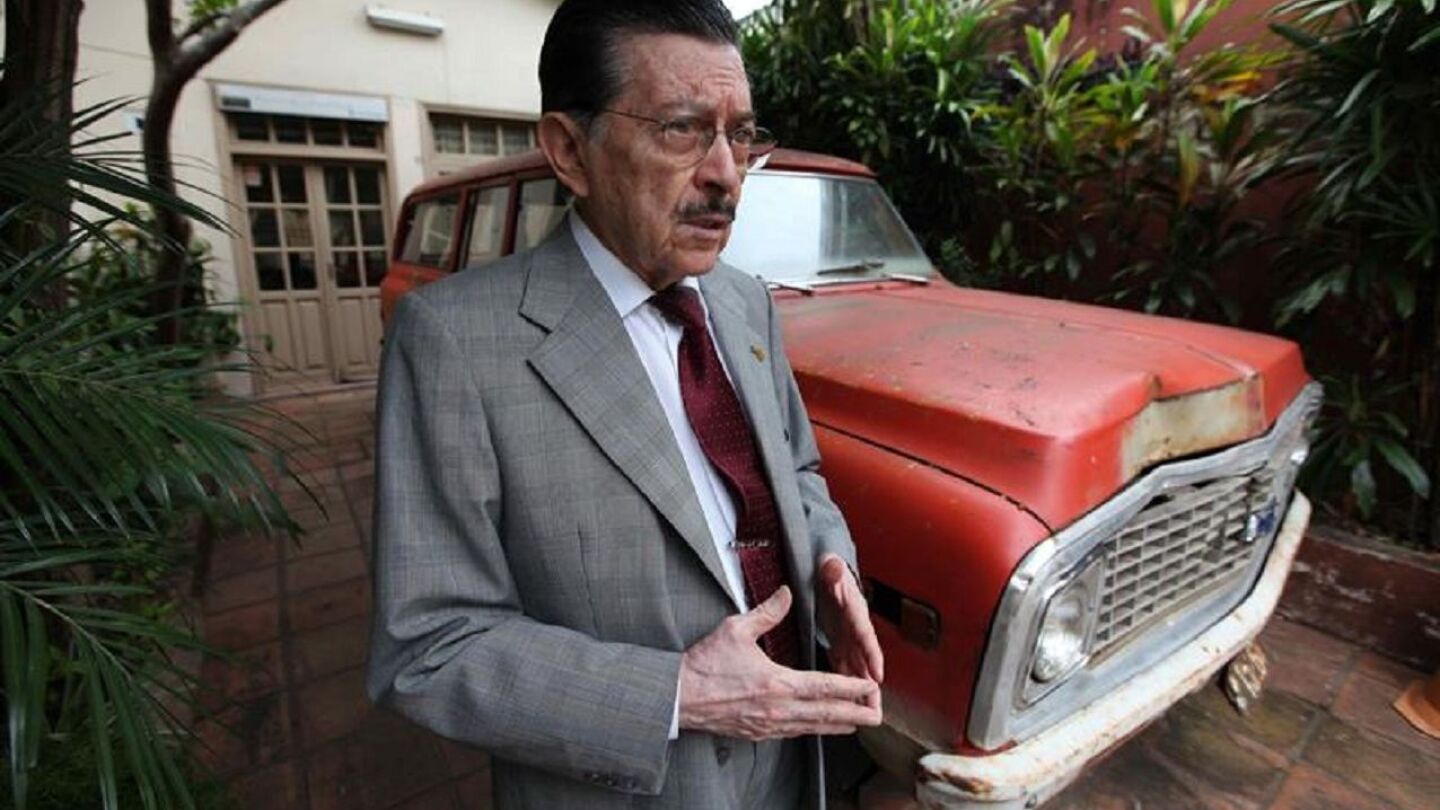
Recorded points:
282,258
316,248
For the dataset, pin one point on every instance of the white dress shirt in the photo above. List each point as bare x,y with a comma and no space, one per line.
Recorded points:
657,341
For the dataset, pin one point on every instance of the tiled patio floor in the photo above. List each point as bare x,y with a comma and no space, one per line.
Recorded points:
306,737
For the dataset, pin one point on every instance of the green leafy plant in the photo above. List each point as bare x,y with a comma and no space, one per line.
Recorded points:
1358,430
104,450
1364,130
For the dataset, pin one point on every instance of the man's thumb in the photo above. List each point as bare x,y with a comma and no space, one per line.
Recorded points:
771,612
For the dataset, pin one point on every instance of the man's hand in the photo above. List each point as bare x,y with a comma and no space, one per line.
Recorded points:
845,618
729,686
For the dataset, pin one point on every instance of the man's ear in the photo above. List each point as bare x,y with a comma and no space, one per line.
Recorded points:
562,140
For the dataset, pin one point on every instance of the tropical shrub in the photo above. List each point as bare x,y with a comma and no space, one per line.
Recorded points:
1363,97
105,451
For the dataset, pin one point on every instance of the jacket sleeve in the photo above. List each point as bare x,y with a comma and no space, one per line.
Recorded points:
828,531
451,646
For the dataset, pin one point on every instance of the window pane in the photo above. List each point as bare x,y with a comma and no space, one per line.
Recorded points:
251,127
326,132
364,133
342,229
374,267
543,204
269,271
517,138
289,129
449,135
297,227
264,232
431,232
302,271
372,228
487,226
337,184
367,186
483,138
347,269
292,183
257,183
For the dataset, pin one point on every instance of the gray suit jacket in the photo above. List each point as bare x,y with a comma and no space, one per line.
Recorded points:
541,559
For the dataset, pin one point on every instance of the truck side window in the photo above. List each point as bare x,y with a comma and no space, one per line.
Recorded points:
487,225
543,204
432,232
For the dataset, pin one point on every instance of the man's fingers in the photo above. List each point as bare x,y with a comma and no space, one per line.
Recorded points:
769,613
829,686
834,713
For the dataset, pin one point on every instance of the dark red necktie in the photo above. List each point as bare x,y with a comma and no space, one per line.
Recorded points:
726,437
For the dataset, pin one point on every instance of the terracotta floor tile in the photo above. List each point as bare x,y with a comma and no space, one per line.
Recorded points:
246,736
323,569
437,798
462,759
258,671
1213,755
1387,671
328,604
1309,788
330,649
476,791
277,787
1129,777
240,553
1377,765
242,589
333,707
1369,703
385,762
1305,662
338,535
1279,721
245,627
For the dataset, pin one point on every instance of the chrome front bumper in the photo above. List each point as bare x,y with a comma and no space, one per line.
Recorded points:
1041,766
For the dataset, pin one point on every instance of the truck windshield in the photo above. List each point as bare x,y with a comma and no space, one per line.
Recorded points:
820,230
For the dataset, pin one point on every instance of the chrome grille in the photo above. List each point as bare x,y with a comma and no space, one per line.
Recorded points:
1183,544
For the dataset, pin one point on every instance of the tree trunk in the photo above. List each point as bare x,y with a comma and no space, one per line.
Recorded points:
41,47
177,59
179,285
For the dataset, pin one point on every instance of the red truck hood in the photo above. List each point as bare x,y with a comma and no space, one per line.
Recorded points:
1053,405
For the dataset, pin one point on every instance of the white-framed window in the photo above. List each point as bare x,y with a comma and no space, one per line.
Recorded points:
475,136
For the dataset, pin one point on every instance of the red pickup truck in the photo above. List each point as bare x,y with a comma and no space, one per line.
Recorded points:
1068,517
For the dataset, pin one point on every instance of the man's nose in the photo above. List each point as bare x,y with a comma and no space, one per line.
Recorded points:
717,169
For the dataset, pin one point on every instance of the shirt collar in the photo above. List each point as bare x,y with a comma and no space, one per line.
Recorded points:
627,290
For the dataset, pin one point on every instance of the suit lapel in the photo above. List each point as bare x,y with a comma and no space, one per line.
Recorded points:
747,359
590,363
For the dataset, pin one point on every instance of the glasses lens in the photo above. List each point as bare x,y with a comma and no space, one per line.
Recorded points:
762,143
682,137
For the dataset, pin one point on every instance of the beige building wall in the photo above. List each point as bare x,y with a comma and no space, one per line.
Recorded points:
484,63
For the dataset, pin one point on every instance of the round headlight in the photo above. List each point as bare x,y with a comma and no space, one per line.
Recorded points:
1060,646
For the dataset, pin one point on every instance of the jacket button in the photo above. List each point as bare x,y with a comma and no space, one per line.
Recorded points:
722,754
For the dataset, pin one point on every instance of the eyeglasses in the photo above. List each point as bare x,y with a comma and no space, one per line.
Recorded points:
688,139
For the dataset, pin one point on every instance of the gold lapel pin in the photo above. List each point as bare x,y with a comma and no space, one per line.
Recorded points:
758,352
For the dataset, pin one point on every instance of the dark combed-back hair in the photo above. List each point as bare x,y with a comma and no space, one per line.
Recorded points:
579,70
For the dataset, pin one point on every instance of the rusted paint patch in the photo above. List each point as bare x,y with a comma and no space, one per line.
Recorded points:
1193,423
971,786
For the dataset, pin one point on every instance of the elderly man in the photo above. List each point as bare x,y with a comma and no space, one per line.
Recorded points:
602,541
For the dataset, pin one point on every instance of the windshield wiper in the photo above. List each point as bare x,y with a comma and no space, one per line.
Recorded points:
788,285
858,267
913,279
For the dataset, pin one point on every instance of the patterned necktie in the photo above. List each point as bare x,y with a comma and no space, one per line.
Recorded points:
725,436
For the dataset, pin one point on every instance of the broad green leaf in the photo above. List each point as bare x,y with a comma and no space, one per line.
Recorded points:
1402,462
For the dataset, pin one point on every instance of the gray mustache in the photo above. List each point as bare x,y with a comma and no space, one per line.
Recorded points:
716,206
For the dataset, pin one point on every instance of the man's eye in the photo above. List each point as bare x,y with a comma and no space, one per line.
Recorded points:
743,135
681,126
